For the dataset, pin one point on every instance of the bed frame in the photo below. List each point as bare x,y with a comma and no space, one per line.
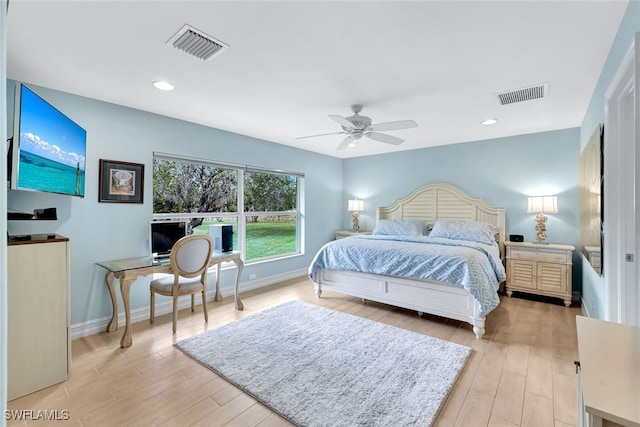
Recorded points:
428,203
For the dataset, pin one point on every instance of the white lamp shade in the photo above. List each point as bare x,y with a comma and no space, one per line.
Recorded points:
543,204
355,205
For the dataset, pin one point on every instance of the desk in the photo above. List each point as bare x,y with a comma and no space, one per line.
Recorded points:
609,373
129,269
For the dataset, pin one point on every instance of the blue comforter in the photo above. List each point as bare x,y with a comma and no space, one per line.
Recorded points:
473,266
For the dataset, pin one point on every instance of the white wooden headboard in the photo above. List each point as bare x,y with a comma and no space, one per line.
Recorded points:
446,202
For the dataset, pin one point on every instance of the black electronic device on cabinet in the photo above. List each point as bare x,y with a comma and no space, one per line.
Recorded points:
38,214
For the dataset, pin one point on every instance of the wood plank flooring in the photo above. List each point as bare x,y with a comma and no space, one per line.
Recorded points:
520,374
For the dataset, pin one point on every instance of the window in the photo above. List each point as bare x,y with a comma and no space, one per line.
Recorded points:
262,205
271,214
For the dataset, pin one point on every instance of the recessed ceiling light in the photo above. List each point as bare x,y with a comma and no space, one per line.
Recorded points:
489,122
162,85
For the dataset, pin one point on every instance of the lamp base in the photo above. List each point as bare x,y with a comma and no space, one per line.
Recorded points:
541,228
356,222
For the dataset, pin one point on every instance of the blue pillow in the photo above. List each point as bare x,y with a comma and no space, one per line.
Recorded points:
398,227
473,231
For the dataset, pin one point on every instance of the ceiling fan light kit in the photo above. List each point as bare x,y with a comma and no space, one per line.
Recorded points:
357,126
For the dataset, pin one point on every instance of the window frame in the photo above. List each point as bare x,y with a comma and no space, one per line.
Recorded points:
240,216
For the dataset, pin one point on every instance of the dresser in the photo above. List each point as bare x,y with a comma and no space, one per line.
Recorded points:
608,373
38,341
540,268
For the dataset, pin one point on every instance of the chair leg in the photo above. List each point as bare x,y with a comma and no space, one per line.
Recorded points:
175,312
152,307
204,306
193,302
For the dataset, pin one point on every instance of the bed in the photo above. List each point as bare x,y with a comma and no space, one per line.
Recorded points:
435,206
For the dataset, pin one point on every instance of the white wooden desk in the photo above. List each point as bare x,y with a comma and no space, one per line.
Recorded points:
609,381
129,269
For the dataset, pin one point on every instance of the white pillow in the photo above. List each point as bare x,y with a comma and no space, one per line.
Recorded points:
397,227
473,231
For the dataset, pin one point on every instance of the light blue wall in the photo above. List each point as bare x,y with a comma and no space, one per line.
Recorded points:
105,231
593,285
501,171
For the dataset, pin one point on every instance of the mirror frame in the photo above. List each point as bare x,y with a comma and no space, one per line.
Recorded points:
591,186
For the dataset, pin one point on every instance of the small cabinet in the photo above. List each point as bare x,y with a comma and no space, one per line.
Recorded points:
609,356
346,233
38,342
541,269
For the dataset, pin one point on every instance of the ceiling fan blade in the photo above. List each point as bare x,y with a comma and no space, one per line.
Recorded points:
400,124
345,143
322,134
342,121
382,137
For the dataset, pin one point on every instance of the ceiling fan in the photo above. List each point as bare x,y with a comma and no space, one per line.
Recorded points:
357,126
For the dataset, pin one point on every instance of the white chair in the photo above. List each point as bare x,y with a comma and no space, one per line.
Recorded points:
189,263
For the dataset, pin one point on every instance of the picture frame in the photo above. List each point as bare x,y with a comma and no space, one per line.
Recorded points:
121,182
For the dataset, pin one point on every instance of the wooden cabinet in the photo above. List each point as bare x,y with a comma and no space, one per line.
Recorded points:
541,269
38,341
609,356
346,233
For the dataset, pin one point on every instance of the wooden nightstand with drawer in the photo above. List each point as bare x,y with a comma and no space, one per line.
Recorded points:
346,233
539,268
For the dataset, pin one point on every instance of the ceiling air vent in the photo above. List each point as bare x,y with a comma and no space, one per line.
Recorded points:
524,94
196,43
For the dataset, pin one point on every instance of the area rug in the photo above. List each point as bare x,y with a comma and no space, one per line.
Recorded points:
321,367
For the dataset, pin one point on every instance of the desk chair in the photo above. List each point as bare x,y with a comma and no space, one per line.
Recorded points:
189,262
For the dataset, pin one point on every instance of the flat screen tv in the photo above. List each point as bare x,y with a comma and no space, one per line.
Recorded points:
48,150
164,234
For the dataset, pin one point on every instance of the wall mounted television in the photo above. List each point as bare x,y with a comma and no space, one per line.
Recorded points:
164,234
48,150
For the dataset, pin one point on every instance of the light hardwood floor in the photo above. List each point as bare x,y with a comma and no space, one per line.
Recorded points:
521,372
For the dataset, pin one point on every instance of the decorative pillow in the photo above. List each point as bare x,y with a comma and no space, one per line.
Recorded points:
473,231
397,227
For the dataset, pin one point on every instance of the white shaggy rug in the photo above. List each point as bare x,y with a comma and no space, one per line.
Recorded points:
321,367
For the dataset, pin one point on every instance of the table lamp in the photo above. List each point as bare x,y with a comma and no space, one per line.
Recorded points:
355,206
542,205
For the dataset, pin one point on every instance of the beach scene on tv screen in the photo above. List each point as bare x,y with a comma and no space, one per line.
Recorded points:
52,149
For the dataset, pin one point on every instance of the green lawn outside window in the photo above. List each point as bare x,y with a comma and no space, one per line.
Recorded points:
264,238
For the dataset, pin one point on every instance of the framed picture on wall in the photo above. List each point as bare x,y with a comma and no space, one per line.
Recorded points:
121,182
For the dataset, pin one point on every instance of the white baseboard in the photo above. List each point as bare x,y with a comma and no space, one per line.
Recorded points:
91,327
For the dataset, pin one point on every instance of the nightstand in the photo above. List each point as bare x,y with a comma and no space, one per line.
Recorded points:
346,233
540,268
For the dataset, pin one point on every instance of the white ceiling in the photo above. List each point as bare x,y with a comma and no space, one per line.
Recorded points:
292,63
